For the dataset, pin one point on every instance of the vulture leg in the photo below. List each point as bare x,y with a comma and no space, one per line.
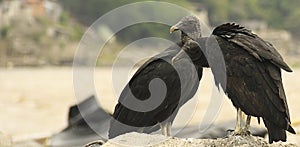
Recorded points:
239,121
238,128
247,126
169,127
162,128
166,128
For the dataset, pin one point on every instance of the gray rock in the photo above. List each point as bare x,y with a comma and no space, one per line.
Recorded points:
138,139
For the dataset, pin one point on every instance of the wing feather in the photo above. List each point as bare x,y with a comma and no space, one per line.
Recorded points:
247,40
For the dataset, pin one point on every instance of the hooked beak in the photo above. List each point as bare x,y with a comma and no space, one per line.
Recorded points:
180,55
176,27
173,28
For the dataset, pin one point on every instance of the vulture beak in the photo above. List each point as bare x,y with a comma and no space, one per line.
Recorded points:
173,28
176,27
180,55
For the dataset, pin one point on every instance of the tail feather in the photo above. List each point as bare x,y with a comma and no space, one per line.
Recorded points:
116,128
275,132
291,129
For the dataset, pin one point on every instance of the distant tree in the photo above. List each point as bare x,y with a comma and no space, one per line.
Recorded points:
278,14
292,23
89,11
4,31
217,10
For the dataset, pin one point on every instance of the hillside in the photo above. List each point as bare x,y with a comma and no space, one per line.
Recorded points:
34,39
49,36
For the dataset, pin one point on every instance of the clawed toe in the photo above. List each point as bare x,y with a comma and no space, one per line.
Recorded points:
246,132
238,132
229,130
242,132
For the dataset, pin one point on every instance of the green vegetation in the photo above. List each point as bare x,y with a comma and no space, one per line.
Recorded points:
277,13
4,31
43,39
64,18
50,41
87,12
77,32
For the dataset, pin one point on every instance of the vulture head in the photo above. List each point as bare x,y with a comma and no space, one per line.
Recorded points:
189,27
190,31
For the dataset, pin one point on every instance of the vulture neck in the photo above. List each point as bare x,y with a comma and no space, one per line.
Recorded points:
184,37
196,54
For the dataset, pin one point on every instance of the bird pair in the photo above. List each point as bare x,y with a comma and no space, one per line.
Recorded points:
246,67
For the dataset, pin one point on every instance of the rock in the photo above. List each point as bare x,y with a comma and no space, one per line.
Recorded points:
138,139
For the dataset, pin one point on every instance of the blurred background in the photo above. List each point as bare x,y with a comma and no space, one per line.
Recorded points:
38,40
46,32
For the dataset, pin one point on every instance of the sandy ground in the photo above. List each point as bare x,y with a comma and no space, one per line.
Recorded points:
35,101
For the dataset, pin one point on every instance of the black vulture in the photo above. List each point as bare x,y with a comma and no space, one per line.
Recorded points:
253,71
181,82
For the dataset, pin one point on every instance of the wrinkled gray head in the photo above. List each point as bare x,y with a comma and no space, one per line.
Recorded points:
189,25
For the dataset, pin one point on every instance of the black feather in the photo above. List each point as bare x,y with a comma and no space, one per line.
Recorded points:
179,91
254,82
